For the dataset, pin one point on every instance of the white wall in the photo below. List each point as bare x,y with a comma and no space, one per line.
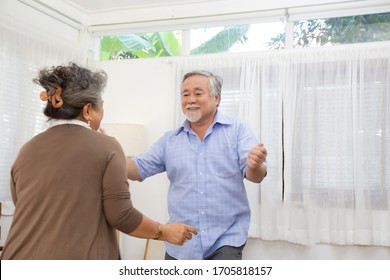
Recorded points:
142,92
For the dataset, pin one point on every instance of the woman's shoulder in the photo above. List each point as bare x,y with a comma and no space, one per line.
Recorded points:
101,138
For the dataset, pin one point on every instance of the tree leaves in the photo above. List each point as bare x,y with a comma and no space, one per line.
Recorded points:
159,44
341,30
139,46
223,40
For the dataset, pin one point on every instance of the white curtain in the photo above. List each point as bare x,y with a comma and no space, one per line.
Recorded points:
22,55
324,116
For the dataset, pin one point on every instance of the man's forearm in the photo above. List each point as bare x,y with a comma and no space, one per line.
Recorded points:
256,175
132,170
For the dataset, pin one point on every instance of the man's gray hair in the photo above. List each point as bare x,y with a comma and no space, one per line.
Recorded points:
215,82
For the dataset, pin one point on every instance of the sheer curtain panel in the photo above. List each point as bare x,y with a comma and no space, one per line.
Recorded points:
21,111
324,116
338,146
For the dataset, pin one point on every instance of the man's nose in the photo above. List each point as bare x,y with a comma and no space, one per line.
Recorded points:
191,98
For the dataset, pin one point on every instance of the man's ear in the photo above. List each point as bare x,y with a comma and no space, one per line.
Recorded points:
86,111
218,98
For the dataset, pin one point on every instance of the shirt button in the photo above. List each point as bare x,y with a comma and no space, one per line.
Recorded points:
201,192
201,173
202,212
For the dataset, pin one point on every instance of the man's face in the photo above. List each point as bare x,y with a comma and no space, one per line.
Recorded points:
196,102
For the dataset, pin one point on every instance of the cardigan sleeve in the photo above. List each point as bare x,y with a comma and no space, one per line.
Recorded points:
117,205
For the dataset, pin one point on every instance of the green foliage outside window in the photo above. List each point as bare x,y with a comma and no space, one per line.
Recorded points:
154,44
160,44
317,32
342,30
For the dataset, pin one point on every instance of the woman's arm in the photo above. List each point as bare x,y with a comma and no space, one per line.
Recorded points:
172,233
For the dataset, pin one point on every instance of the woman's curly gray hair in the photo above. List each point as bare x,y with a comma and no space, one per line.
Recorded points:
79,85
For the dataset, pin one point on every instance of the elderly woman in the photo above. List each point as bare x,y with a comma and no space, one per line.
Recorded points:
69,183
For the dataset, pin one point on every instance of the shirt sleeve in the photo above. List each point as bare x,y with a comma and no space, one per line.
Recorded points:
117,205
153,161
246,141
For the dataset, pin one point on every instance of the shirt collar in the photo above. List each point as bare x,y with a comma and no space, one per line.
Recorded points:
219,118
55,122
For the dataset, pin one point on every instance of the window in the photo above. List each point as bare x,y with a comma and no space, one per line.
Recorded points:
342,30
146,45
232,39
248,37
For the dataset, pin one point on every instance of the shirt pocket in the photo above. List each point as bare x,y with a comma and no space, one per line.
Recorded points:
223,161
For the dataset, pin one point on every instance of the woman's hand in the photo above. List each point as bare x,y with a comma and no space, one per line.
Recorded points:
177,233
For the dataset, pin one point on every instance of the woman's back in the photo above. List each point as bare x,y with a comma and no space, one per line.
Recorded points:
62,181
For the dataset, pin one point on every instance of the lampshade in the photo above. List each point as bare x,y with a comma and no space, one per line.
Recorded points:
132,137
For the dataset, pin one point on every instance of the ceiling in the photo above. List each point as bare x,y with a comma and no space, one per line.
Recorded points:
91,6
104,17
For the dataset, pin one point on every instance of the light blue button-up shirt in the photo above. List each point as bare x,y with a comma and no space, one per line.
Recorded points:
206,183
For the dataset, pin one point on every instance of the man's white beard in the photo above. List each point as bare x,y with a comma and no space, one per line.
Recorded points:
193,116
